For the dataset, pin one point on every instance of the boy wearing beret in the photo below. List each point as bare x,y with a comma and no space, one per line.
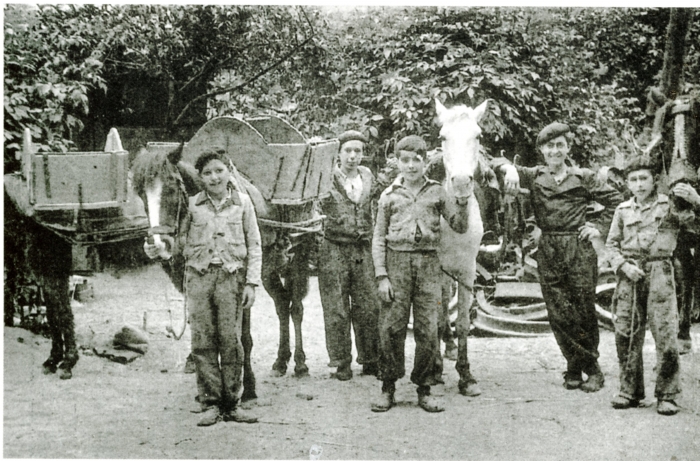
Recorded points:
404,249
567,262
345,271
641,242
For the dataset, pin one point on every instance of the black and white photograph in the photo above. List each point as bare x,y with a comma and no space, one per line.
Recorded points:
351,231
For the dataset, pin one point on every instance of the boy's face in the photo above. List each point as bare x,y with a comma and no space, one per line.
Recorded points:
411,165
351,155
641,183
215,176
555,151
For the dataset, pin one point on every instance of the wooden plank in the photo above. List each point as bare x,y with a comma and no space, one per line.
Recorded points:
517,290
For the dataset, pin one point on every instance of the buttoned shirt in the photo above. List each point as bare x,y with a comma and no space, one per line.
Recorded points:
644,230
230,233
561,205
408,222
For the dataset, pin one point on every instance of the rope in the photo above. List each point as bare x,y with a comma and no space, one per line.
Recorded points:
310,225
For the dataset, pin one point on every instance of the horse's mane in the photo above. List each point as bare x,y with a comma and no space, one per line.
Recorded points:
151,164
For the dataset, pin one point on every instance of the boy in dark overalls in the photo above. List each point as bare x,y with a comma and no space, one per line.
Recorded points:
566,260
404,249
641,242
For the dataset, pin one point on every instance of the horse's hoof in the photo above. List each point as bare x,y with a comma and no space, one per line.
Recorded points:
279,369
66,374
49,367
248,395
301,371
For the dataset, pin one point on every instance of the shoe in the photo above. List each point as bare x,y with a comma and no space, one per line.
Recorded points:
189,365
369,369
239,416
430,404
623,403
210,416
667,407
594,383
572,380
344,373
470,390
383,402
685,346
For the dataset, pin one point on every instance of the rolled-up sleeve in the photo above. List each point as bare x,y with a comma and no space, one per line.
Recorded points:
252,240
607,196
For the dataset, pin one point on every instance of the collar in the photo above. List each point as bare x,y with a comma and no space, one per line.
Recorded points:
231,197
398,183
660,198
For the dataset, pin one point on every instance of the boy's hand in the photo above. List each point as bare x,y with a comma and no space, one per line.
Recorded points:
632,272
588,232
386,292
248,297
687,193
156,250
511,179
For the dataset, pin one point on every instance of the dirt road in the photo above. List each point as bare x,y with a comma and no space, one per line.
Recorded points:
142,409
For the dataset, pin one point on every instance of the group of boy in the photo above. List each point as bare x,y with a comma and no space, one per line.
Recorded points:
378,261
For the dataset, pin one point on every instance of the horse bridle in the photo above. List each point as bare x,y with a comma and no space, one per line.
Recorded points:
167,232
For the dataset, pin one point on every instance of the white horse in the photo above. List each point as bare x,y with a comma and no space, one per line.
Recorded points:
460,145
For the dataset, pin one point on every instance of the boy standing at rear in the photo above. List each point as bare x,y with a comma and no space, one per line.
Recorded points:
566,260
642,238
404,249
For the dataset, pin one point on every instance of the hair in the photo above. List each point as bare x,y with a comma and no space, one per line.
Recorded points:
641,163
412,143
209,155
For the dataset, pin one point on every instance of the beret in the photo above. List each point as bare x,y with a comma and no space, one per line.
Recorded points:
411,143
352,135
551,131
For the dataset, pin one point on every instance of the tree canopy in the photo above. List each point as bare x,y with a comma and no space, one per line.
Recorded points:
330,69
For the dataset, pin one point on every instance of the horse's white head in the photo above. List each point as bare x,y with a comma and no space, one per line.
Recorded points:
460,145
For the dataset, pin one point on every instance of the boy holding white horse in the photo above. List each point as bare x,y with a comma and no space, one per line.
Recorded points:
567,262
224,259
404,249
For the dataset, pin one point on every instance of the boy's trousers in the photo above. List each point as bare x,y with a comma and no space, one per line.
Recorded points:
652,300
349,296
416,279
216,315
568,269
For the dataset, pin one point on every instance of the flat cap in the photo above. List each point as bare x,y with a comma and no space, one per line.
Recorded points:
551,131
352,135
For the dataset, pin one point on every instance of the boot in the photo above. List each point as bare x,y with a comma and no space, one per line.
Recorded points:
622,403
344,373
470,389
430,404
594,383
386,400
667,407
210,416
240,416
572,380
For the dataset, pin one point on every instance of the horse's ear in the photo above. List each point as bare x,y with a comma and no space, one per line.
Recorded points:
439,108
175,156
481,109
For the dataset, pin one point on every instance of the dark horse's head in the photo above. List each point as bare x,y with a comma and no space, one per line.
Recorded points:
164,182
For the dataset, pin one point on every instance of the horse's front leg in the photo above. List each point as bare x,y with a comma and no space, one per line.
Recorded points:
248,375
467,383
300,368
273,285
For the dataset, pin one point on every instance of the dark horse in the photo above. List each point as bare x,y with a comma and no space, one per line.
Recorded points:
33,253
164,182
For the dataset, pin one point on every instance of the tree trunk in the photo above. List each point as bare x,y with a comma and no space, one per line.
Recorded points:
672,73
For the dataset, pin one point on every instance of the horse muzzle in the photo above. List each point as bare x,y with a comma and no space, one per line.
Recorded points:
462,188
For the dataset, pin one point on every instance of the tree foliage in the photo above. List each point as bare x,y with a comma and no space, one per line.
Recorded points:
328,69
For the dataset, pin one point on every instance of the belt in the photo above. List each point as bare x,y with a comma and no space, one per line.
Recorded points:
647,258
573,232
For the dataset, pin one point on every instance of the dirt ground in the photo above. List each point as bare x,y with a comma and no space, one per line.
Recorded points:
143,409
